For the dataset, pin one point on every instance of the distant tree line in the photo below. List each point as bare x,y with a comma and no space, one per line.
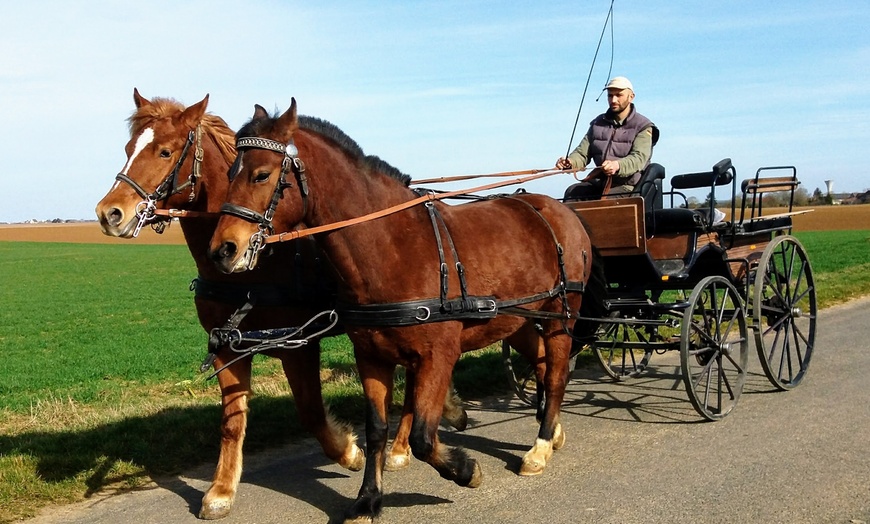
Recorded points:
802,197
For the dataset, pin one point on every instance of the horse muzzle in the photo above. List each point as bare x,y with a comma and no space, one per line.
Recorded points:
229,259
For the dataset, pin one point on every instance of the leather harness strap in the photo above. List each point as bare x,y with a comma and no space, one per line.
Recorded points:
464,307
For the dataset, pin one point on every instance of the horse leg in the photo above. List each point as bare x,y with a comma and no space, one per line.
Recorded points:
454,414
302,369
399,456
529,343
377,382
430,389
551,436
235,384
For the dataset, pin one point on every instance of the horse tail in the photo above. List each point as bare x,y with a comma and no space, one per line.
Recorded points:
592,306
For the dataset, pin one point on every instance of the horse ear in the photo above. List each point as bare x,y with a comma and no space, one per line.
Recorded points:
288,123
260,112
192,116
139,100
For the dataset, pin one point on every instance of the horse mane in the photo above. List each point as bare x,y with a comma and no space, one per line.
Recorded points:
213,125
328,130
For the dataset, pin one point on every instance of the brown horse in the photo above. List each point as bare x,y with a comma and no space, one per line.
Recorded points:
167,140
401,300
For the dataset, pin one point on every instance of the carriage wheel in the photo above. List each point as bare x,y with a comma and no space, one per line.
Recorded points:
784,312
619,350
714,347
520,375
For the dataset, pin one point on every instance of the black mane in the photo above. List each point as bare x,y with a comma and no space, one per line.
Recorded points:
261,126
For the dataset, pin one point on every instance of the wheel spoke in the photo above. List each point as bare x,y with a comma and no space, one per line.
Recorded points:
737,366
616,347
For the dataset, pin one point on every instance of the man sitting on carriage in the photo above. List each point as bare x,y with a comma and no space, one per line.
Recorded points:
619,141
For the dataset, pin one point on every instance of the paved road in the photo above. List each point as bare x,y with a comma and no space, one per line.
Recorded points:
635,454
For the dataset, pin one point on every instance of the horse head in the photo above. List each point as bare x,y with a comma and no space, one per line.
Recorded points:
267,166
164,164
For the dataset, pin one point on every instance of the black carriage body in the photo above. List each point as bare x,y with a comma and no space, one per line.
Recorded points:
698,281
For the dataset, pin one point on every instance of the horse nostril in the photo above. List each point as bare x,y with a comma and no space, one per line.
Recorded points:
226,251
114,216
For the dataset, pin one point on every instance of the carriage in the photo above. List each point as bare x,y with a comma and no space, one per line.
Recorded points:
686,280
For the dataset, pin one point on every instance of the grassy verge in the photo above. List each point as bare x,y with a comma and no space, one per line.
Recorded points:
101,345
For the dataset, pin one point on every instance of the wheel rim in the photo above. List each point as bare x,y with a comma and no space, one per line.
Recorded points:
784,312
618,352
714,347
520,375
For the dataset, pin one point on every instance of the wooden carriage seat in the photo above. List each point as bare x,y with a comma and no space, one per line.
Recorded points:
619,224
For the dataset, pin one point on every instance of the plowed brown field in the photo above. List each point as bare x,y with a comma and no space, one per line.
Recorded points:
84,232
825,218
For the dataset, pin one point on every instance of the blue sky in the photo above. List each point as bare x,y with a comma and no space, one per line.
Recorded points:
435,88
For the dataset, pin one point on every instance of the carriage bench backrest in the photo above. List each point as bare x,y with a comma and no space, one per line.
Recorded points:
681,219
753,199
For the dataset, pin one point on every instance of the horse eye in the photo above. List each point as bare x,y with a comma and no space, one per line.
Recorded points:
165,153
262,176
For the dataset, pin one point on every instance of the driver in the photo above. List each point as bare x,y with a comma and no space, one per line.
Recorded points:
620,142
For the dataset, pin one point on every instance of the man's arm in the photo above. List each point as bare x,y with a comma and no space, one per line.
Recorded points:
579,158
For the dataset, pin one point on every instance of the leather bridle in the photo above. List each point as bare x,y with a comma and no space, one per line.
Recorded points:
170,186
290,162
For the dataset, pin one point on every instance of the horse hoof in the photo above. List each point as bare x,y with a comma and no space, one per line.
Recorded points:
457,419
397,462
215,509
536,459
476,477
363,519
357,460
558,438
532,467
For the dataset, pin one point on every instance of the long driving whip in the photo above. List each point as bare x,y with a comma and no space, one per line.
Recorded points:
589,77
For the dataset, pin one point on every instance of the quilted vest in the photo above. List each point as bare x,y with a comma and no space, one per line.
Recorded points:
610,141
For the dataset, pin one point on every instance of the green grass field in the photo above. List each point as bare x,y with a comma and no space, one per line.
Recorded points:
101,349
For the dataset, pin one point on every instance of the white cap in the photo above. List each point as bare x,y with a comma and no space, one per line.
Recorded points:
619,82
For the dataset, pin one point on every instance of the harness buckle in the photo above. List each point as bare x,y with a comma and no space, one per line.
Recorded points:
423,314
487,306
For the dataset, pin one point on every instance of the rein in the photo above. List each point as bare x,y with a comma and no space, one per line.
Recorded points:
292,162
281,237
428,197
147,209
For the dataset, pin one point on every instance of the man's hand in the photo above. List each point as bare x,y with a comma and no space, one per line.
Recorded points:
564,163
610,167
